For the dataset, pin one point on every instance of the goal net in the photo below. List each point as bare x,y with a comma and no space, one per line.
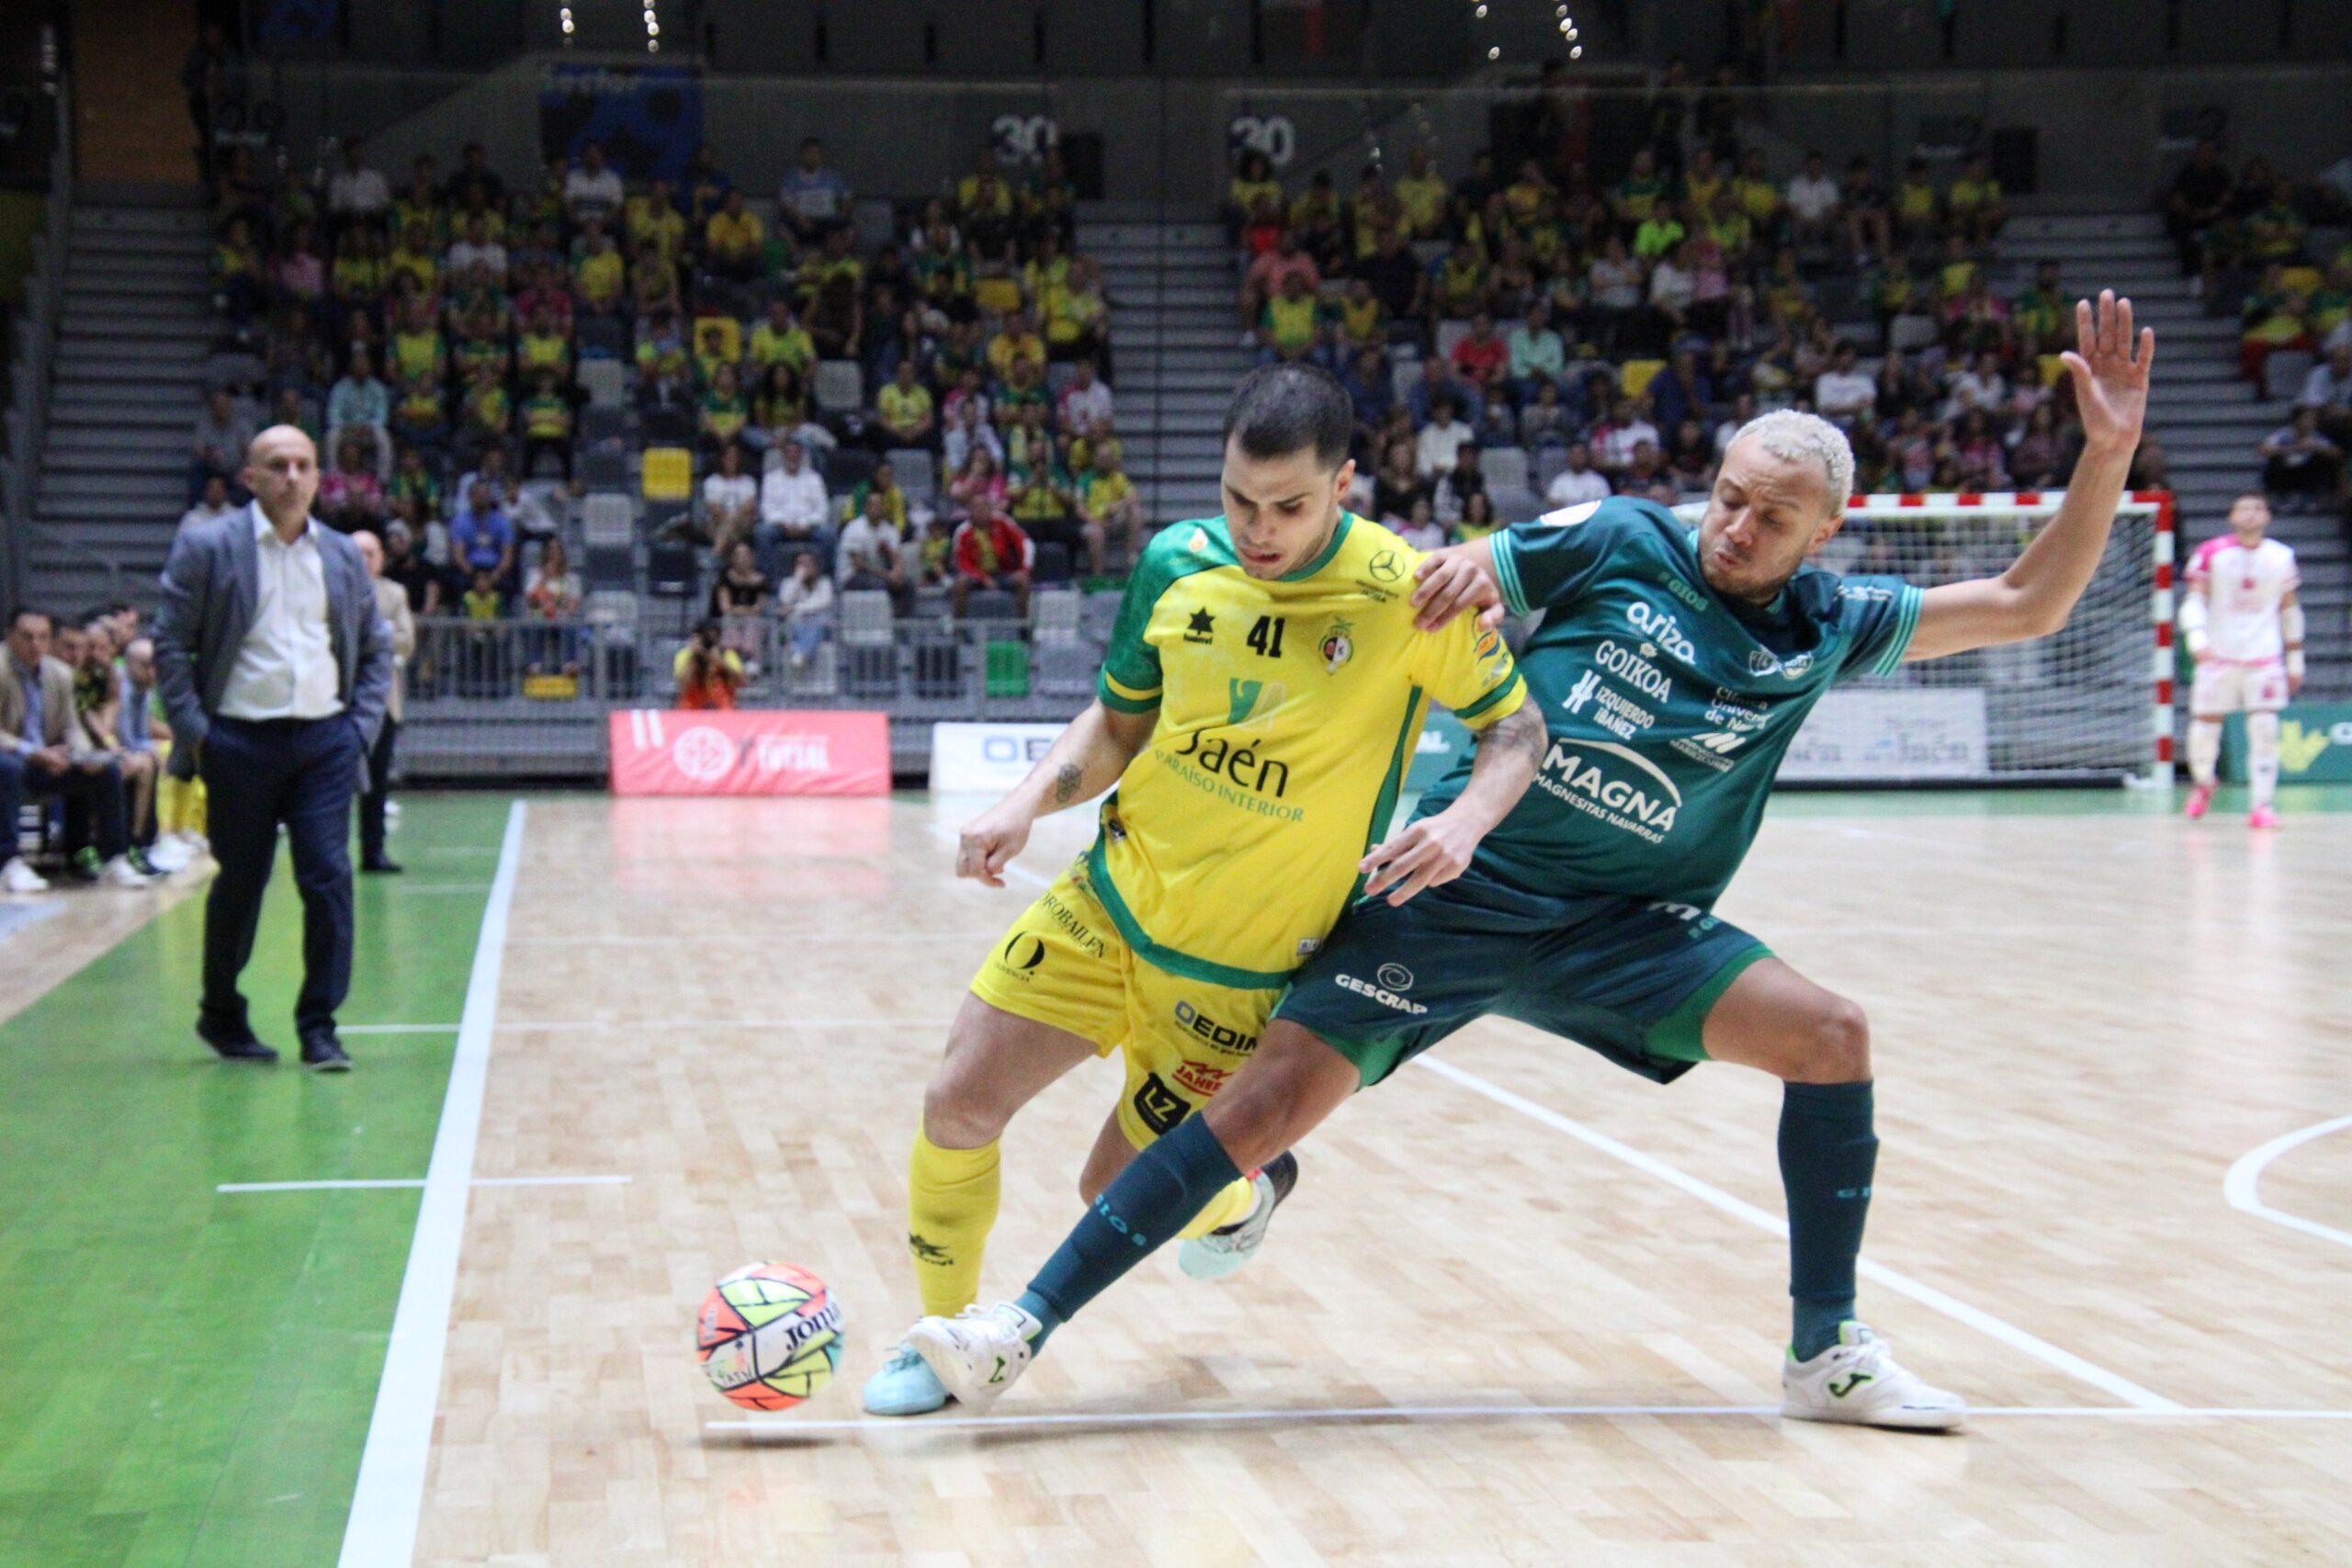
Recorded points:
2091,702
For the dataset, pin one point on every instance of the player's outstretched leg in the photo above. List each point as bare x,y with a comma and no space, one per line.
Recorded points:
1817,1043
996,1063
1289,1085
2262,765
1245,1207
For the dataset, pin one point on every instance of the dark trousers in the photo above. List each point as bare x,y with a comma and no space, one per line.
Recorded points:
94,803
379,790
302,772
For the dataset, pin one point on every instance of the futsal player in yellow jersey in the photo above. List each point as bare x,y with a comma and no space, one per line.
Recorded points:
1262,697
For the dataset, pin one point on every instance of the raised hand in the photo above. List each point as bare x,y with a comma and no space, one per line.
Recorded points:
2109,368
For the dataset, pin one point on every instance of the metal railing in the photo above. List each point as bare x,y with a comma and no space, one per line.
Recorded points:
36,352
529,697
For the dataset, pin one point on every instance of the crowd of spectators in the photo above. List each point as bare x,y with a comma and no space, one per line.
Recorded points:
2274,252
431,334
1616,325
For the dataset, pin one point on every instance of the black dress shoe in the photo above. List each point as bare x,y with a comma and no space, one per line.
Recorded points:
324,1053
236,1047
382,865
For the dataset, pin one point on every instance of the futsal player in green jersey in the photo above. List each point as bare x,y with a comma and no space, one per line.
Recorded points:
1673,667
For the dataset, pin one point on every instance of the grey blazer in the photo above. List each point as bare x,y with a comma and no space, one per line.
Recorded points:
211,585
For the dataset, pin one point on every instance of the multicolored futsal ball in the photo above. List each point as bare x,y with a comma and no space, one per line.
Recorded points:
769,1336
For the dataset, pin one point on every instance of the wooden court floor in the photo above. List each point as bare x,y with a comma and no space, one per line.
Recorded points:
1524,1308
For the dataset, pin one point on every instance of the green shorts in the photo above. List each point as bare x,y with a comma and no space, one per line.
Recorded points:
1632,978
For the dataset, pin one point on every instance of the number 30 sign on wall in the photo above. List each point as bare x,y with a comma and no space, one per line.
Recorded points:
1272,134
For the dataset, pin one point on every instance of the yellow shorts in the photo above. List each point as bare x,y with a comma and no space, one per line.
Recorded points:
1063,964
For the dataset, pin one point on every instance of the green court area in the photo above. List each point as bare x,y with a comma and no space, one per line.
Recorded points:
185,1375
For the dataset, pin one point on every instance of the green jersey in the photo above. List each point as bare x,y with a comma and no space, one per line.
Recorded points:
1668,707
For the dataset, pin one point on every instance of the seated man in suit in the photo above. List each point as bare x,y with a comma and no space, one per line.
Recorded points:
45,751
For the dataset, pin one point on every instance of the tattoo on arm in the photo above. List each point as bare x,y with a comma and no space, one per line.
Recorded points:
1065,782
1520,730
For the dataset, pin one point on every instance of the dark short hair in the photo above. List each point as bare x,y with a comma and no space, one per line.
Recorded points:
21,611
1281,409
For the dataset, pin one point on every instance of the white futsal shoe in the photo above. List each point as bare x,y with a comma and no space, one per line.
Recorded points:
18,877
1219,1253
980,1353
1857,1381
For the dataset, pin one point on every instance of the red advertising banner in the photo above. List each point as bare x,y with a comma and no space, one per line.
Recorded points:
750,751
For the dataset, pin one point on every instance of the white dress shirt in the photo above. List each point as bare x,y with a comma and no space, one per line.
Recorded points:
1569,487
286,667
793,500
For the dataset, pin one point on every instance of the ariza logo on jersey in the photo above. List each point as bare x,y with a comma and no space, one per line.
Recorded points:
1662,627
1613,783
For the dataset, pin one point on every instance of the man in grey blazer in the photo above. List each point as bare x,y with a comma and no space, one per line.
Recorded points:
273,667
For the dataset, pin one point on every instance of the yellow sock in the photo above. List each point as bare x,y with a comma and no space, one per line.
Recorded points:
1227,1207
951,1207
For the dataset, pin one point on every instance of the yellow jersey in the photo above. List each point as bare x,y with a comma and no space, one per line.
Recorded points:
1288,711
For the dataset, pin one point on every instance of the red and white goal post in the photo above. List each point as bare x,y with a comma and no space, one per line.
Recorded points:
2093,702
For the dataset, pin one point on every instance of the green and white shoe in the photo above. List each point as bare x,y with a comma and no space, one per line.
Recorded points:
1857,1381
905,1385
1219,1253
980,1353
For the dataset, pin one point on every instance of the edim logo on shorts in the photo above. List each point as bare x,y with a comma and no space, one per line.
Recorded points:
1231,1042
1159,1106
1022,953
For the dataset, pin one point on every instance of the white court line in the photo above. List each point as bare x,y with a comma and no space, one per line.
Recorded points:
1901,1284
2242,1185
368,1184
673,1024
380,1531
1375,1413
768,937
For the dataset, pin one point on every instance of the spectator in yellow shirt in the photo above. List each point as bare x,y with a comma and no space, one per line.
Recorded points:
597,273
1976,202
1758,197
1291,321
733,240
1254,186
1915,206
904,411
654,219
1014,342
413,256
781,339
1108,506
1422,196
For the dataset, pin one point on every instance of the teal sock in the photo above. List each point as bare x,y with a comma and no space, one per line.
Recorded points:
1041,1309
1146,1205
1828,1155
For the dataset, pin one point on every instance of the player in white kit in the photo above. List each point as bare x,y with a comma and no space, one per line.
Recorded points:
2245,628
